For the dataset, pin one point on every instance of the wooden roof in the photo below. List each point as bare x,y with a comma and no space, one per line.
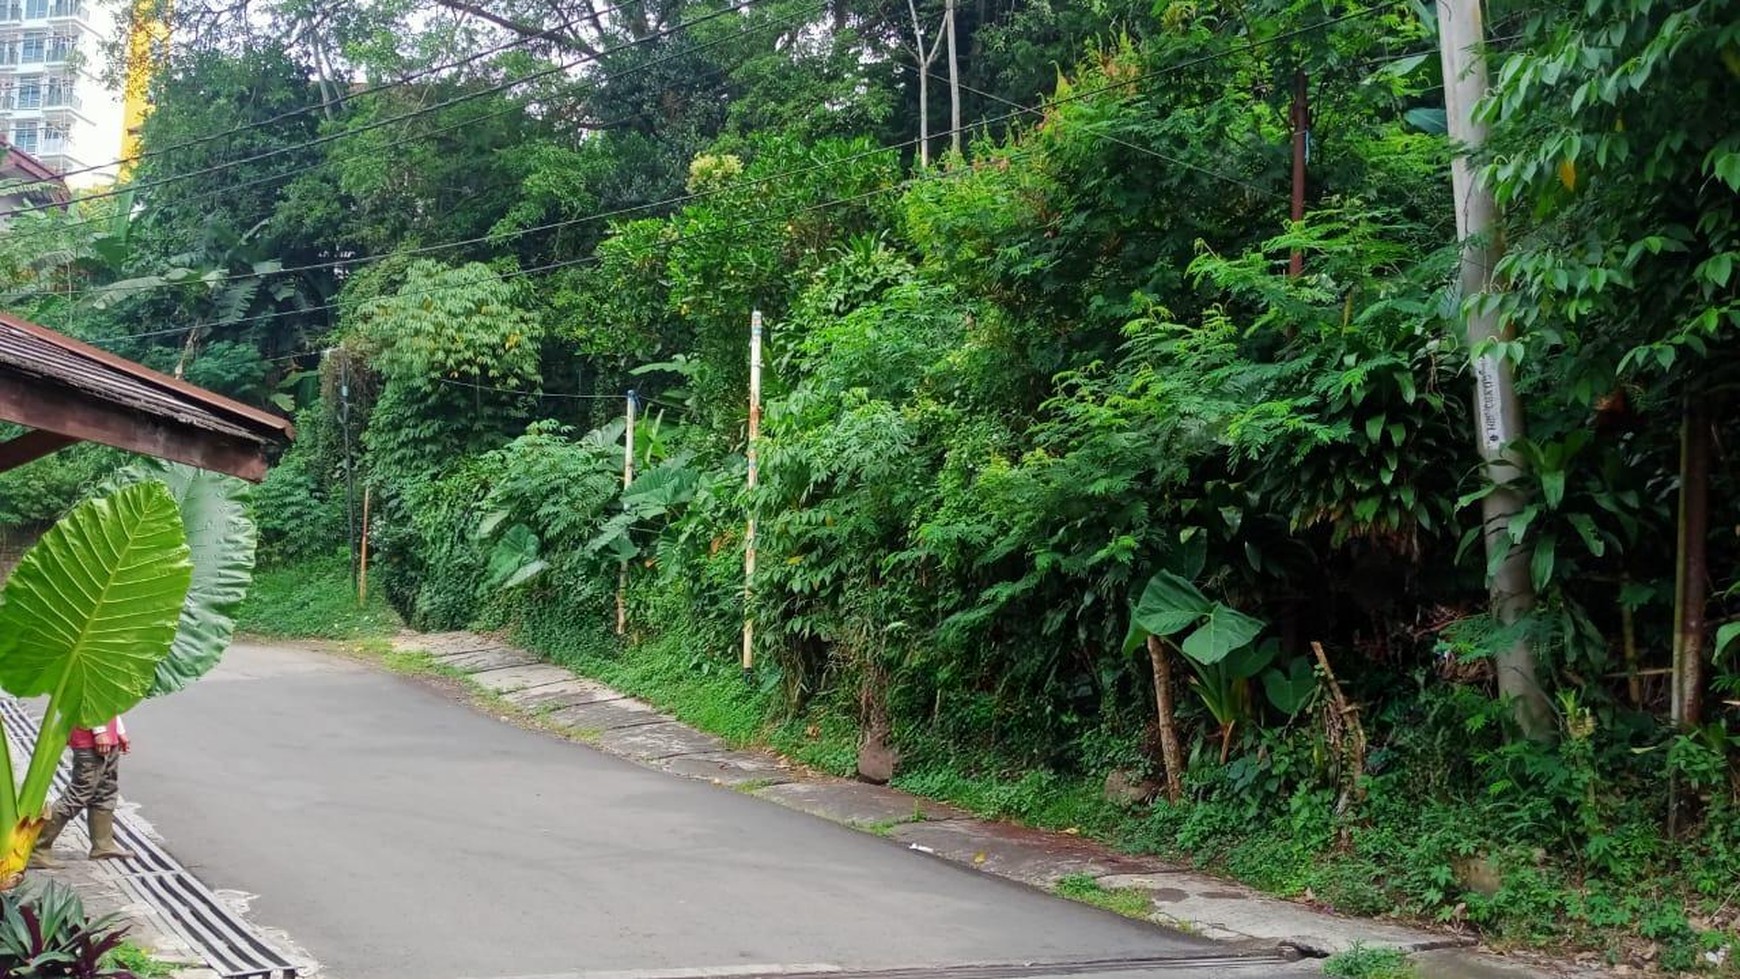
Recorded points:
68,391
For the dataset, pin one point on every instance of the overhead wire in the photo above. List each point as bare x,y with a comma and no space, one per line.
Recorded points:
691,197
325,104
453,127
592,259
740,5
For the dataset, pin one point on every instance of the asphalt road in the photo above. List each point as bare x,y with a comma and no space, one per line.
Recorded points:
395,834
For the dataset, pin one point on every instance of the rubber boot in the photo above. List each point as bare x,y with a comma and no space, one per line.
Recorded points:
43,857
103,846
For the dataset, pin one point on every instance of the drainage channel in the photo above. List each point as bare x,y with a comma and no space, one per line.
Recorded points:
226,943
1142,965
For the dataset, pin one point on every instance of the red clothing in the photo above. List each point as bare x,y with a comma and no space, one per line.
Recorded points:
113,733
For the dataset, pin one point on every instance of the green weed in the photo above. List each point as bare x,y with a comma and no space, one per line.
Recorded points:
1127,901
139,962
1365,962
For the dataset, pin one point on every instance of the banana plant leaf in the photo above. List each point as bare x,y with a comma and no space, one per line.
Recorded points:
221,537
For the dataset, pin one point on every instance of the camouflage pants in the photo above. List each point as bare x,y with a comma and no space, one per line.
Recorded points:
96,784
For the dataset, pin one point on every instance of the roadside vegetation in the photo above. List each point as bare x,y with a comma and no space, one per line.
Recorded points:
1074,505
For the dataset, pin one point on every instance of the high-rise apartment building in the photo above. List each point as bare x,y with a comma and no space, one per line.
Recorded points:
52,104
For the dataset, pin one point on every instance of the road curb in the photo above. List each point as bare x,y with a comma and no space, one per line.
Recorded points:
1178,898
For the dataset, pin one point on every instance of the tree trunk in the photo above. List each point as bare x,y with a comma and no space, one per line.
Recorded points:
924,60
1497,409
954,82
1691,586
1171,755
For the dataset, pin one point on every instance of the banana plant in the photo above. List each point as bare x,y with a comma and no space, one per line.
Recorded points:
130,595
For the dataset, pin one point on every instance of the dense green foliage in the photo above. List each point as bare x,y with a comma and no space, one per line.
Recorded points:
1025,405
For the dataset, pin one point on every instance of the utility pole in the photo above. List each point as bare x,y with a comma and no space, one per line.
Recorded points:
754,472
1497,410
954,80
1301,151
627,478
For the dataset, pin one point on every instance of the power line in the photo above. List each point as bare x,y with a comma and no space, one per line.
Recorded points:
323,105
1147,150
529,394
566,263
1020,110
462,124
688,198
381,123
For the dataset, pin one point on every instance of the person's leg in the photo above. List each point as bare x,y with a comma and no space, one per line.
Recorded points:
86,783
102,811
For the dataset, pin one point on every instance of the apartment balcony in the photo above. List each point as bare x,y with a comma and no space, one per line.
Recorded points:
69,11
11,13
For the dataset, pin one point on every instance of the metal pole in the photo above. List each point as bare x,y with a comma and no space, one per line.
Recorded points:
1497,410
754,472
627,478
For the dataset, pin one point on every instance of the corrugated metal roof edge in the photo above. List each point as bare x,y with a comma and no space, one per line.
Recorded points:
269,424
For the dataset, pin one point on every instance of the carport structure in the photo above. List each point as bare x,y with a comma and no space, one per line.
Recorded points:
66,391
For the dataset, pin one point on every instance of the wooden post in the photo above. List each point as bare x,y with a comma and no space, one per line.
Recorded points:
749,532
627,478
1171,753
362,571
1691,584
1497,409
1301,145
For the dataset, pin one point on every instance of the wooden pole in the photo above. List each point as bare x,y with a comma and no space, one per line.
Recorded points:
1691,584
627,478
1301,146
1497,409
1171,753
749,532
362,572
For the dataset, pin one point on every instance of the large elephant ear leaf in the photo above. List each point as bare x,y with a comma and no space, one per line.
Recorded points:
92,608
222,539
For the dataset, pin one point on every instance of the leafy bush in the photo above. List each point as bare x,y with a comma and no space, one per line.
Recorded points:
45,933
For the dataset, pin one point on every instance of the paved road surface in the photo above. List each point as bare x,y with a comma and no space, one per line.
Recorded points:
398,835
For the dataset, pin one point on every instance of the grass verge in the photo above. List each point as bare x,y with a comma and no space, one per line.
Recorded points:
312,600
1129,902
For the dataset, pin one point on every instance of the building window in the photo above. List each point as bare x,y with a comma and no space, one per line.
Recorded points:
24,136
30,92
60,47
34,49
35,9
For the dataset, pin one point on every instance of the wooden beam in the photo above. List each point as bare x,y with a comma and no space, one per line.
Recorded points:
30,447
53,408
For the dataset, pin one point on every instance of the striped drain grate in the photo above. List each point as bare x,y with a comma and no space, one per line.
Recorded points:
227,944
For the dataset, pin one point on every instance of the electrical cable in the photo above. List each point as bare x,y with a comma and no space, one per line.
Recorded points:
324,105
462,124
381,123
